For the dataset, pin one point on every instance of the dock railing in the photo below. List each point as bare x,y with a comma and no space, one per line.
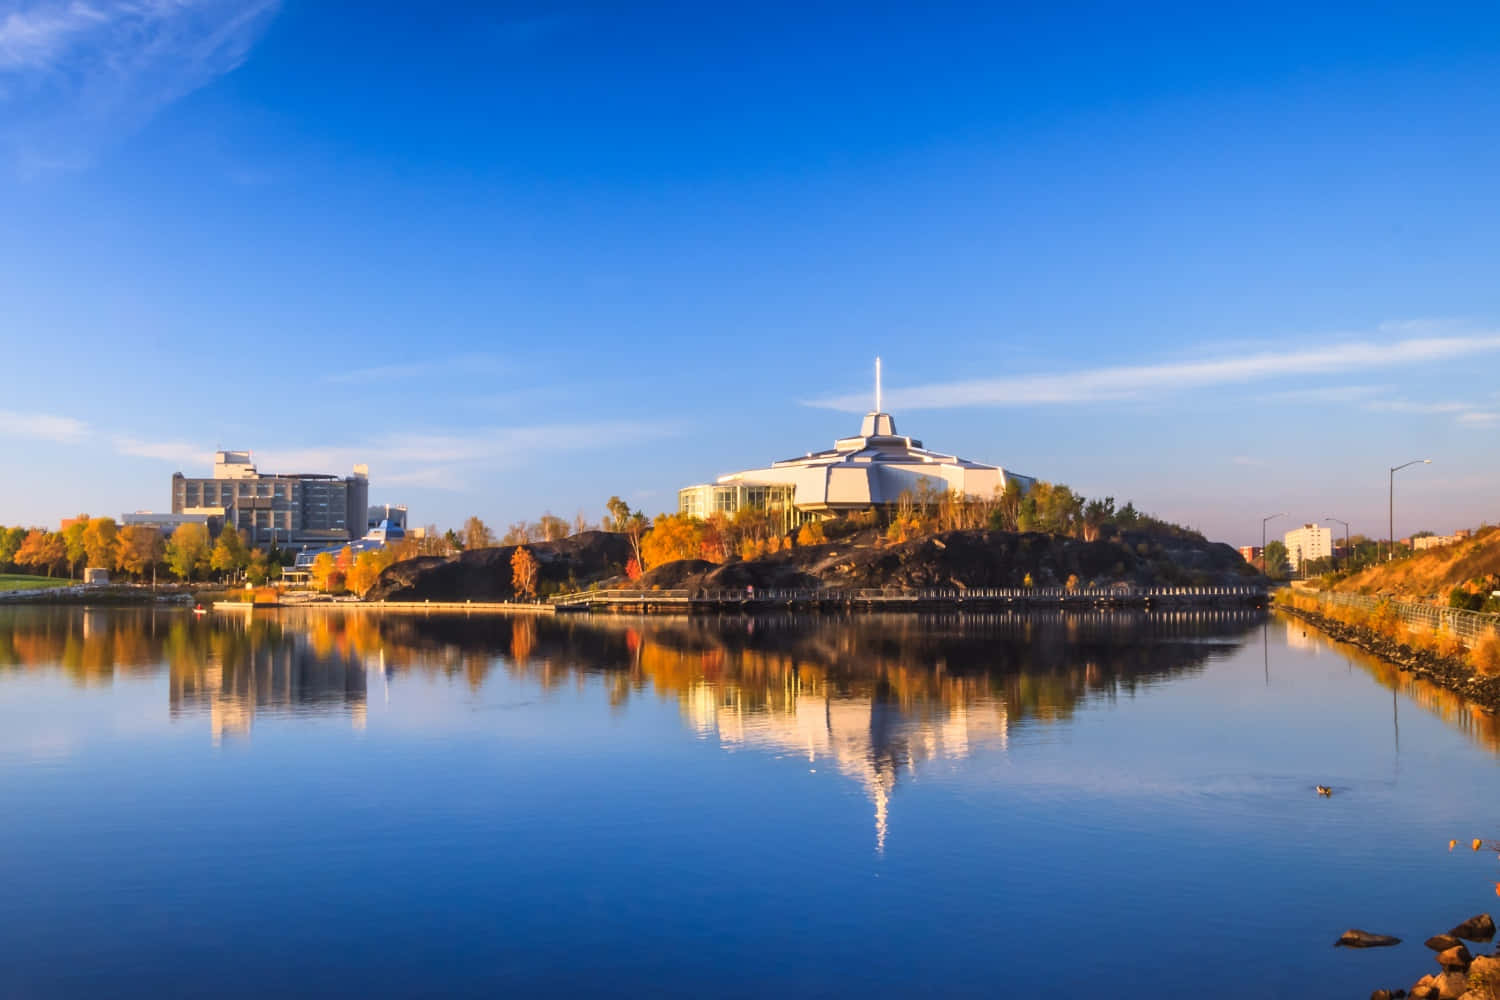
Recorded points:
897,597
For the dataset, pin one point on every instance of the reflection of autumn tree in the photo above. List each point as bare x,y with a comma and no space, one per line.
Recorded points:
522,640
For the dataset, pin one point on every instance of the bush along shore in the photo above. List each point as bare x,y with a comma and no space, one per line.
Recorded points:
1442,659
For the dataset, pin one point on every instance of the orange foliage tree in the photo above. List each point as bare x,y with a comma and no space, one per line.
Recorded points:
523,572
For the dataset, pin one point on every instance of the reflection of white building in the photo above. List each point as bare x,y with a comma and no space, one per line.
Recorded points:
870,470
868,740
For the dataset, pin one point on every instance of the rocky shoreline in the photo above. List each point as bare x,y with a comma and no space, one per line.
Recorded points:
1463,976
1451,673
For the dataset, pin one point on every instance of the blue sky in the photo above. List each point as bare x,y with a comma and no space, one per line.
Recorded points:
1224,260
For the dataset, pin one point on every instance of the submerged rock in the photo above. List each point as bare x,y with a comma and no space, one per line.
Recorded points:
1441,942
1480,928
1355,938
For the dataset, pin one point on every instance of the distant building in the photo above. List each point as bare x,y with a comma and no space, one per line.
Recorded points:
1251,554
1308,543
393,513
292,509
95,575
212,519
868,471
1423,542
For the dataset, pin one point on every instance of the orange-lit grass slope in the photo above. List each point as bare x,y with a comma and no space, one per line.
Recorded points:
1430,575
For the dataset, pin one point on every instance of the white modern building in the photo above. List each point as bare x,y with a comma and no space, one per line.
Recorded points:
1309,542
870,470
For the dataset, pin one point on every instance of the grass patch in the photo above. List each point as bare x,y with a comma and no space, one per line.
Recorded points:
15,581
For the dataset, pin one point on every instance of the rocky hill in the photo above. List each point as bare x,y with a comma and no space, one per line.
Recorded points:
956,559
968,559
485,574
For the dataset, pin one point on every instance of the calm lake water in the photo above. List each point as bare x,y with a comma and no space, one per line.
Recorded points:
1091,805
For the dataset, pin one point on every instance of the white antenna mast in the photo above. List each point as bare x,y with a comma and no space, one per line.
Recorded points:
877,385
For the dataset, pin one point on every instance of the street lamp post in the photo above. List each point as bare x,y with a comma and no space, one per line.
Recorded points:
1391,542
1268,517
1348,553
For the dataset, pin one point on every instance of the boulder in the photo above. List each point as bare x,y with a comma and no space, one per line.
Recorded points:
1355,938
1380,995
1441,942
1484,976
1451,985
1425,988
1480,928
1457,957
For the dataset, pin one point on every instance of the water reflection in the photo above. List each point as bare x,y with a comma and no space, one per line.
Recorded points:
875,697
1479,725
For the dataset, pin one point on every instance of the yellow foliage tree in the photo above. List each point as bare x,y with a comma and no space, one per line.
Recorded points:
672,537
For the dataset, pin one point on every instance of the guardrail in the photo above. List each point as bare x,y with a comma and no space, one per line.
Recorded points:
1467,626
898,596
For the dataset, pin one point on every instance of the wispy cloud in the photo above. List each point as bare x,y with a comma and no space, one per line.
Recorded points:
183,453
44,426
464,364
1483,417
1324,394
1136,381
77,75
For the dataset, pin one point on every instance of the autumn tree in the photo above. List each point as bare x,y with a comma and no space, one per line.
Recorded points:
42,551
364,572
523,572
635,528
553,528
187,550
10,542
618,514
323,571
140,549
811,533
672,537
101,542
477,534
229,554
580,523
72,538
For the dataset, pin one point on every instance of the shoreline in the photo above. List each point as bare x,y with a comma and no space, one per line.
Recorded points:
1450,673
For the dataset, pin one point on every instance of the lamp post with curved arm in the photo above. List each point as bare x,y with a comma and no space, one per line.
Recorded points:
1391,541
1268,517
1348,553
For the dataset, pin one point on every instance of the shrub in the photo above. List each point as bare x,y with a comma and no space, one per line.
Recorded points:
1485,656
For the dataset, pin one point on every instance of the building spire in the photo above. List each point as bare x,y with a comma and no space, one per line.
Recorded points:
877,385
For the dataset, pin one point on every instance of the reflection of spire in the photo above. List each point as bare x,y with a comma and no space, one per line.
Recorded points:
869,737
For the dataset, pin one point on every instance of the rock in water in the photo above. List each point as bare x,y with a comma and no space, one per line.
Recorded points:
1441,942
1451,985
1457,957
1354,938
1480,928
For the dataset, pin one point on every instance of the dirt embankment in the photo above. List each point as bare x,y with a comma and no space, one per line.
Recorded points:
965,560
1453,673
1430,575
486,574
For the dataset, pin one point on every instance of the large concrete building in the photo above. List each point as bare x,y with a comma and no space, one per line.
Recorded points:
869,471
297,509
1309,542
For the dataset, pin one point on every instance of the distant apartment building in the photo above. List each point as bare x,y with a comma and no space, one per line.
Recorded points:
1251,554
1438,541
288,509
1308,543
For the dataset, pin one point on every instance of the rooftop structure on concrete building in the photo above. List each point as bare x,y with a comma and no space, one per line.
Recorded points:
869,471
287,509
